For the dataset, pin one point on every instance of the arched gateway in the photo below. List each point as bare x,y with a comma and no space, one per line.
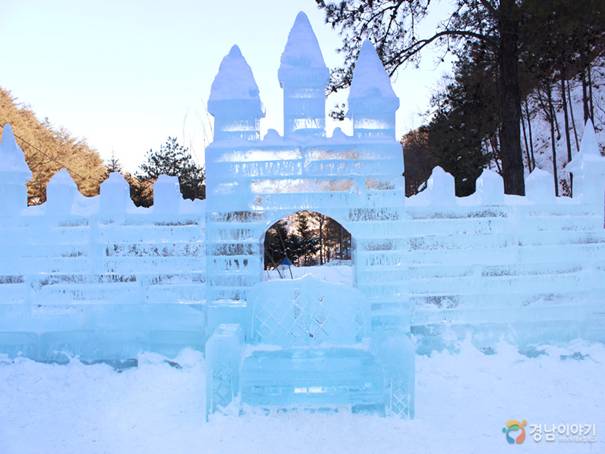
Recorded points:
356,180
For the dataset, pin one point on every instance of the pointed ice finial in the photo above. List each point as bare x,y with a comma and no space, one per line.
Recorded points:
369,76
372,101
60,192
490,187
441,187
589,144
62,179
302,55
272,137
338,135
235,100
14,173
234,81
12,159
8,137
167,195
303,75
589,150
115,196
540,187
588,168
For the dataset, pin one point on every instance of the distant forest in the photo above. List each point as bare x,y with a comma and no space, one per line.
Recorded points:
48,149
306,238
527,76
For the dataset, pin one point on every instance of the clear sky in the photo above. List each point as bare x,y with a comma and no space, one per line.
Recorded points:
127,74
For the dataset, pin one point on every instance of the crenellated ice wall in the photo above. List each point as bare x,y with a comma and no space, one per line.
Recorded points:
103,279
98,277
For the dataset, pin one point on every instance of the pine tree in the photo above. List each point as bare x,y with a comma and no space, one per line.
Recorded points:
392,26
517,43
175,160
308,245
277,244
113,164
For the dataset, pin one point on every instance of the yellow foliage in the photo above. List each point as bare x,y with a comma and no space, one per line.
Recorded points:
47,150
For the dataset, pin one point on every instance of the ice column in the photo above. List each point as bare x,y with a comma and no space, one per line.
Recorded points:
588,168
372,101
14,174
303,75
234,100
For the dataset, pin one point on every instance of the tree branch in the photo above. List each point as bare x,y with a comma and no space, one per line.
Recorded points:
421,44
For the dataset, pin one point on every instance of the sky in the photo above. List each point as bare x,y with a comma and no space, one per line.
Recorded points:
125,75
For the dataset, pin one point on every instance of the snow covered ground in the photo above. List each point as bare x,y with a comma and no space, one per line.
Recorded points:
463,402
338,272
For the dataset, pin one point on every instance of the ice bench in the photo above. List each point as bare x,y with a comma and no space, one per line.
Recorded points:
308,345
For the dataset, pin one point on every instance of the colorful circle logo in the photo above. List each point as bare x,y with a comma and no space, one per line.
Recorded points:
511,427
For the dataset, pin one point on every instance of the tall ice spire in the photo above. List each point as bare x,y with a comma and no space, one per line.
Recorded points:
372,101
303,75
234,100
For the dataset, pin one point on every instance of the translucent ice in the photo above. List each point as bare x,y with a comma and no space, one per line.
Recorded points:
372,101
100,278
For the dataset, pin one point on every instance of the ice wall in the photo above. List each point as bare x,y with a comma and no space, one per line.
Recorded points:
97,277
102,278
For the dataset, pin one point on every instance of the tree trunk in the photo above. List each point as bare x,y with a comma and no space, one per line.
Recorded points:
526,144
551,120
585,97
565,116
493,142
531,139
321,239
573,120
590,98
340,241
510,99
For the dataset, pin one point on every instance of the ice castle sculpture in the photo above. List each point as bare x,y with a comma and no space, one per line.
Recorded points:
104,280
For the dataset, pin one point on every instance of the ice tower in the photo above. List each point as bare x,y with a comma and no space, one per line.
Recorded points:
372,101
234,100
303,75
355,180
